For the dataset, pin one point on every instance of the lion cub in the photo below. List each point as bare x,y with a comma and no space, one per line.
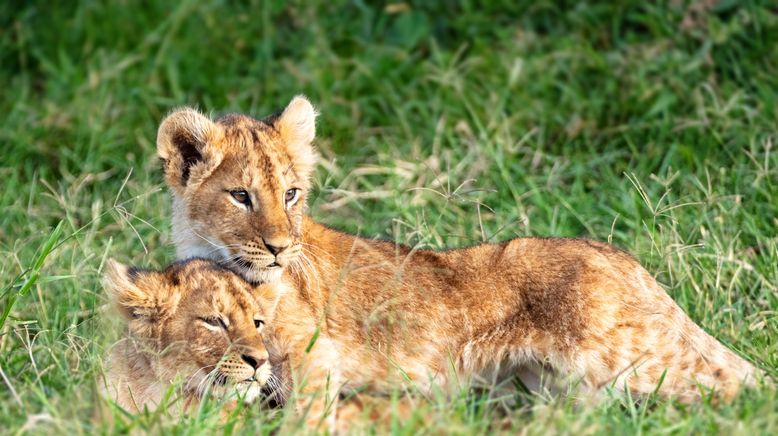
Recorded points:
586,310
431,337
192,322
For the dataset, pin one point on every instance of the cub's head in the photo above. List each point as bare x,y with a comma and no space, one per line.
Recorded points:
239,186
195,321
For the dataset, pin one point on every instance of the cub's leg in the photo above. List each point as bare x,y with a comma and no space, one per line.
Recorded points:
317,383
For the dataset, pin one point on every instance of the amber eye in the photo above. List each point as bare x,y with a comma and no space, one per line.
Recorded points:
290,197
258,323
241,197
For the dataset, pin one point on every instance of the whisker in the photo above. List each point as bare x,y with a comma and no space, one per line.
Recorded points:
218,246
307,269
304,258
312,247
278,388
206,383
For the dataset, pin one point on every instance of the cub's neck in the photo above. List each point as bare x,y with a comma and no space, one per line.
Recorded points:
190,241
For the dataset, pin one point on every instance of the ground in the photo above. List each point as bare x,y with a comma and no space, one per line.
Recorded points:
649,126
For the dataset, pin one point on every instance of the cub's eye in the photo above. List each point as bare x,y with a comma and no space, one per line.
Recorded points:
258,323
290,196
241,197
215,322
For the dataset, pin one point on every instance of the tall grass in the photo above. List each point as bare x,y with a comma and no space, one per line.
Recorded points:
648,125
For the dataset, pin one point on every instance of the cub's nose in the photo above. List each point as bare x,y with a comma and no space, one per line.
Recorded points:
254,359
275,246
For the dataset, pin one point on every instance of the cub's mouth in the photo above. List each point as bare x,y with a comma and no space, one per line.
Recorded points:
247,390
254,272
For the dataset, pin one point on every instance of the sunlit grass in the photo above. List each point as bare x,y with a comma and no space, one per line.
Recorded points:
652,127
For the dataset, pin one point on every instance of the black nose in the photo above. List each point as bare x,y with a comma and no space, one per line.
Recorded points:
273,249
253,361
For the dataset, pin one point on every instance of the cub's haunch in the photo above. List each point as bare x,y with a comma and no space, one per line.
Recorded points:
200,329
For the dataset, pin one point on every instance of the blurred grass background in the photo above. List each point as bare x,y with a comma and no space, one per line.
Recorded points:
648,124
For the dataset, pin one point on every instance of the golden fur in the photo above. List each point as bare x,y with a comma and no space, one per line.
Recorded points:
585,311
203,333
430,338
204,161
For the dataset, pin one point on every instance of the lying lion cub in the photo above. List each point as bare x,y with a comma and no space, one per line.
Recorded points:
586,310
194,322
427,339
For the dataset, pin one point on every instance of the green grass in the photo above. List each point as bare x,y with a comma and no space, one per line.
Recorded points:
651,126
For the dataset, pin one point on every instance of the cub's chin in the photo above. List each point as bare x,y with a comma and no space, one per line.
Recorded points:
255,275
246,392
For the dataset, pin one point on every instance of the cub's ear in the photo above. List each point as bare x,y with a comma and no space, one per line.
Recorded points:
142,297
186,142
297,126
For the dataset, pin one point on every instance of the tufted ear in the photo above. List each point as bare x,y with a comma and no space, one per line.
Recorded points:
297,126
186,142
141,297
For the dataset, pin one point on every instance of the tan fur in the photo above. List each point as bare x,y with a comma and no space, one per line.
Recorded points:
169,337
584,310
204,160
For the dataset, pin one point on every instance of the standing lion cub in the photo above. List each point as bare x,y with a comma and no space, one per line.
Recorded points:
585,310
